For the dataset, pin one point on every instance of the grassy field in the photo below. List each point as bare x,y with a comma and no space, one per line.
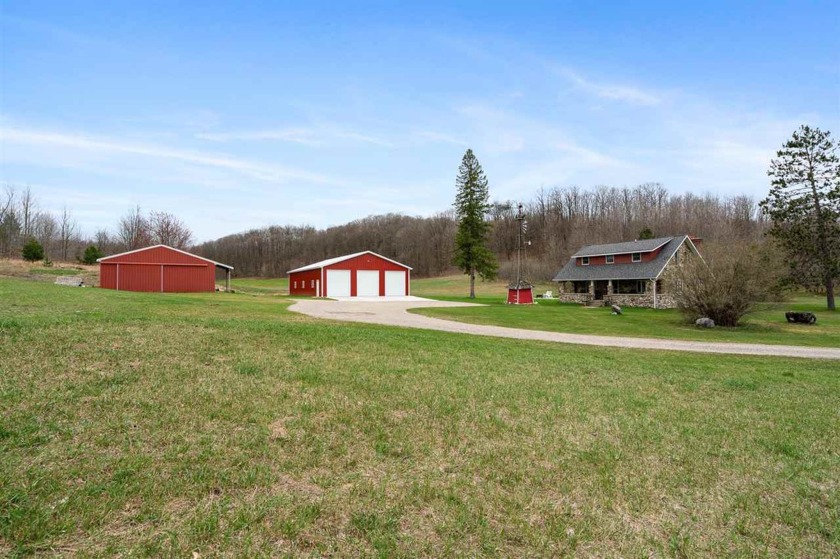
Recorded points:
458,287
767,325
221,424
261,286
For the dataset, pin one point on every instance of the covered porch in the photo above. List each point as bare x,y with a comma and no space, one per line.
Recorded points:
624,292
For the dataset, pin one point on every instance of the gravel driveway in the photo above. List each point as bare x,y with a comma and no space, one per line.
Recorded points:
396,314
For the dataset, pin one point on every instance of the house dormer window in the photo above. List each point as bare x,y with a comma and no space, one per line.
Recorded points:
584,261
637,257
610,258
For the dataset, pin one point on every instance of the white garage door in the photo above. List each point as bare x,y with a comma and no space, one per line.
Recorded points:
338,283
395,284
367,283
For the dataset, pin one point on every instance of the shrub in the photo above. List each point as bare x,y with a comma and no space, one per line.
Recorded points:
32,251
727,282
92,253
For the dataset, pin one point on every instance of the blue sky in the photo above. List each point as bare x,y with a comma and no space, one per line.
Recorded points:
238,116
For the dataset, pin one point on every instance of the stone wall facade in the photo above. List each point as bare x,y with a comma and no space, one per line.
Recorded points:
582,298
663,300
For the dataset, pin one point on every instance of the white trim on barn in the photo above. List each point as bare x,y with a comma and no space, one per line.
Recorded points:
219,264
336,260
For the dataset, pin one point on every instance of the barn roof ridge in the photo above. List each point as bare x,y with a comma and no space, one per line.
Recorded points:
219,264
337,259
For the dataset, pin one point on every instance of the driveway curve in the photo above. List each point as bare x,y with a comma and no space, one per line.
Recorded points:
395,313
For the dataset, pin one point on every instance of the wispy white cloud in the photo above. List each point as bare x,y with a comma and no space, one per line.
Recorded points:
97,145
440,137
301,136
57,32
613,92
363,138
312,137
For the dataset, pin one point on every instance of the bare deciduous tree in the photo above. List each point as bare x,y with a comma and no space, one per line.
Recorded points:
167,229
44,229
727,282
133,230
68,230
28,211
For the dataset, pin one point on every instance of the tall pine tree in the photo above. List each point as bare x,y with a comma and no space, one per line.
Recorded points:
471,205
804,204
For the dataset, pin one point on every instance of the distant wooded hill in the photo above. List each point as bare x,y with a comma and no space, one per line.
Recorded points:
560,220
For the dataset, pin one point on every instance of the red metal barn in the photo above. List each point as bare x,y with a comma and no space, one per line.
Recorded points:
159,268
363,274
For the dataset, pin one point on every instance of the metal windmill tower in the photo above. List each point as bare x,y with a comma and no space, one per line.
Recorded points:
520,292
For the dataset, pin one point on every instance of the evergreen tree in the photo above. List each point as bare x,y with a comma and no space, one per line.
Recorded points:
645,233
804,204
32,251
471,205
92,253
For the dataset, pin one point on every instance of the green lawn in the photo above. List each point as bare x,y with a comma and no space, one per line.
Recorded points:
458,287
163,424
768,325
260,286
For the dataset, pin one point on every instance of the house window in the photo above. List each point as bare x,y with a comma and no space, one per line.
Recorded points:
584,261
295,285
610,258
637,257
312,284
629,287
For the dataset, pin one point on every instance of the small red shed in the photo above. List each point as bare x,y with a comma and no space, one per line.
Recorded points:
363,274
160,268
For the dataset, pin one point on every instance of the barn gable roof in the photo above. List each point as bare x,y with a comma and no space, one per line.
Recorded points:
336,260
638,270
219,264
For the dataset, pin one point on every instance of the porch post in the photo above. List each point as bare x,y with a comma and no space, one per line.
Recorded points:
654,294
609,287
227,280
592,288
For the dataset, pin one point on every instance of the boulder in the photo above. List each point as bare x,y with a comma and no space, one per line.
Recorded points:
801,317
72,281
705,322
615,309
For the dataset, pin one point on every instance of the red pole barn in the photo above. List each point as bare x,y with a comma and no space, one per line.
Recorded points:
363,274
160,268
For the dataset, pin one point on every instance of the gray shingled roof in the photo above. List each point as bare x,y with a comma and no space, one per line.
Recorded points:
639,270
646,245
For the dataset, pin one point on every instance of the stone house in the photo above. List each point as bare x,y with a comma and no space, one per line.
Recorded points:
627,274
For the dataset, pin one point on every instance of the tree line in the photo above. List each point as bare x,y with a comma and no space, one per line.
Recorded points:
560,221
23,220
